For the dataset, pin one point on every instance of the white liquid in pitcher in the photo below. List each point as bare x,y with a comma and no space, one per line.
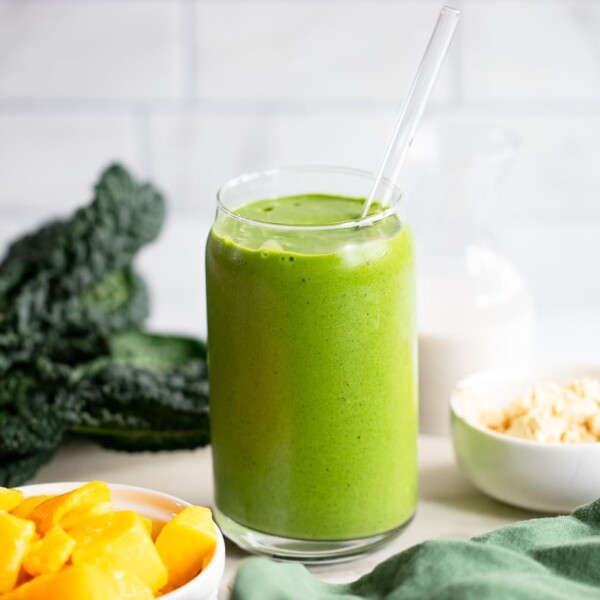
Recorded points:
471,317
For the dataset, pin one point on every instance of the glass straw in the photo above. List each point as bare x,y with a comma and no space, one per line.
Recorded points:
413,107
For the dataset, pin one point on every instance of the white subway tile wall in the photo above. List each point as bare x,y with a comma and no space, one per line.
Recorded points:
48,160
193,92
527,52
90,50
295,52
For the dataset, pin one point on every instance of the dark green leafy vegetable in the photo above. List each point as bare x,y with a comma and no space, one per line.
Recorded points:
16,470
72,359
119,301
36,409
25,257
72,280
77,329
151,395
36,406
99,239
161,353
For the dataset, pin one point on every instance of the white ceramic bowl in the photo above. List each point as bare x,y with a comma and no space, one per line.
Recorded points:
553,478
158,506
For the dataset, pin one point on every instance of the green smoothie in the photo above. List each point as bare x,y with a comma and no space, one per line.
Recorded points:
311,337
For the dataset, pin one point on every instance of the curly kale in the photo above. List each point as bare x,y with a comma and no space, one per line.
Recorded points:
72,359
99,239
37,407
120,301
65,288
18,469
78,328
25,256
155,352
151,395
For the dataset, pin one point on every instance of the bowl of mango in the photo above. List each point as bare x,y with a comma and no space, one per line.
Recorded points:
99,541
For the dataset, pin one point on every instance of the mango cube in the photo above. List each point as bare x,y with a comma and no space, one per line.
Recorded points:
187,543
147,521
81,582
82,513
52,511
129,587
119,541
15,537
152,525
9,498
50,553
26,506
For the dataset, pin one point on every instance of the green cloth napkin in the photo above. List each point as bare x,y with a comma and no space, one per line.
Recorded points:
555,558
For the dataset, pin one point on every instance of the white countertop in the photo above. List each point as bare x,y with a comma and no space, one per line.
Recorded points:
449,507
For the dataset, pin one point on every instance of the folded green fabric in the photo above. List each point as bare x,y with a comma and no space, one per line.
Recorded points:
556,558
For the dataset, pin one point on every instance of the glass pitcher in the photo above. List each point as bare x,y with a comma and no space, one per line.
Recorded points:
475,310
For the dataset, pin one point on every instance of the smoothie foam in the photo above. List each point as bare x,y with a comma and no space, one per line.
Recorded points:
312,370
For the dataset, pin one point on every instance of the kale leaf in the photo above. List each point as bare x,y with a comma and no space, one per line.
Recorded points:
16,470
149,394
74,255
152,394
73,360
66,287
37,407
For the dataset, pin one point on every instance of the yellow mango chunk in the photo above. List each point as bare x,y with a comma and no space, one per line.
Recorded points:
152,525
9,498
15,537
81,582
129,587
119,541
82,513
52,511
187,543
167,589
157,527
147,521
27,505
49,554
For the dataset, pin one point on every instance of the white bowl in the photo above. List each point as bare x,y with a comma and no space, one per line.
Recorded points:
553,478
160,507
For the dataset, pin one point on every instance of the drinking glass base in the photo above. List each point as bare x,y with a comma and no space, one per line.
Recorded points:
304,551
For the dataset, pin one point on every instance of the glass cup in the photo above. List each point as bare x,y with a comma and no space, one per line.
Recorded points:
312,361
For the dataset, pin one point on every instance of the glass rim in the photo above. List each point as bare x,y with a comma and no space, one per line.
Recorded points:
254,175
